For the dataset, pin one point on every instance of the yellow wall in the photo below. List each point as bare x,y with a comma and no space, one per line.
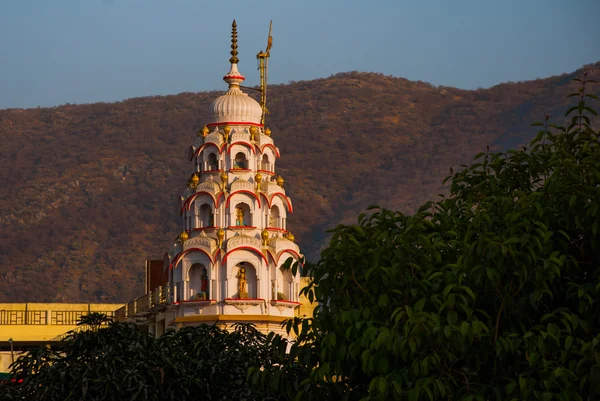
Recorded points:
306,308
27,333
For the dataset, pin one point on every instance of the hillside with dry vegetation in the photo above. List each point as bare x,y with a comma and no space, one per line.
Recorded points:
90,191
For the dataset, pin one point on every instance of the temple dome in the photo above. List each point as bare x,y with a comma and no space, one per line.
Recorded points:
236,106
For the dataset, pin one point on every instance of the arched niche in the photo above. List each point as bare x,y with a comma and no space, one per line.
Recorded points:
266,163
199,283
246,280
242,215
275,217
205,216
211,162
285,286
269,153
278,214
240,161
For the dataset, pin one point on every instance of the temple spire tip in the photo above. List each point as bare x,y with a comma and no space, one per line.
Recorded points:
234,59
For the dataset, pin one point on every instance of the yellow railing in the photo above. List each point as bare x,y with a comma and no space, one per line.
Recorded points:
42,317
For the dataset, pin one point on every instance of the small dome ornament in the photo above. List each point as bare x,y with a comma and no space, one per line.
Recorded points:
258,180
183,237
224,177
268,132
253,132
220,236
264,235
226,132
195,180
291,237
280,181
205,131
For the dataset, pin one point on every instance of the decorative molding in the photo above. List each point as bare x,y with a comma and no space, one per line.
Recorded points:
243,240
283,305
203,241
234,123
243,303
199,304
240,184
279,244
209,185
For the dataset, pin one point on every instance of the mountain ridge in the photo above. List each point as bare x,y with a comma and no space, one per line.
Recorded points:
91,191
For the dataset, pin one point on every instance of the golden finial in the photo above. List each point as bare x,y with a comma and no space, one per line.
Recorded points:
258,179
234,52
226,132
195,180
280,181
224,180
265,236
253,131
268,132
205,131
220,236
291,237
183,237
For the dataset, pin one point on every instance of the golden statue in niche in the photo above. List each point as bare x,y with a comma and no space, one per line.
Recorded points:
239,217
241,276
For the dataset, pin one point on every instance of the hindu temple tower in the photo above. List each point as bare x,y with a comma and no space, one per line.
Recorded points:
226,264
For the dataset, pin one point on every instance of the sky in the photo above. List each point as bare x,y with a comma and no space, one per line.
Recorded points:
54,52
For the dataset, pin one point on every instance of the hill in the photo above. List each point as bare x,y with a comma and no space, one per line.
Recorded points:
90,191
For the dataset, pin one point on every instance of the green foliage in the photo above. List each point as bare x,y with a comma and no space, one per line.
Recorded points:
118,362
489,293
94,320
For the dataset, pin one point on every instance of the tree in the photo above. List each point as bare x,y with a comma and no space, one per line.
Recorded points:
491,292
118,362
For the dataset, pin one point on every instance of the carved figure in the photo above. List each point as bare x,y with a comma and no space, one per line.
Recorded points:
239,220
204,282
241,276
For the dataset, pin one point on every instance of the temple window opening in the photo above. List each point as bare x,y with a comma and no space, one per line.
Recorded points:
275,218
265,164
213,163
198,282
206,216
240,161
285,290
242,215
246,281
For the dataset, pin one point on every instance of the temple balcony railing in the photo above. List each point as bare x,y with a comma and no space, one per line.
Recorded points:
154,301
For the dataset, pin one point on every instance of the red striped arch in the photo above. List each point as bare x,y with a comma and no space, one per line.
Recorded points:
290,251
248,144
282,196
180,256
251,193
247,248
269,145
207,144
188,202
285,199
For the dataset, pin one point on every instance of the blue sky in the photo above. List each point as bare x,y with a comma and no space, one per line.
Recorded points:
82,51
